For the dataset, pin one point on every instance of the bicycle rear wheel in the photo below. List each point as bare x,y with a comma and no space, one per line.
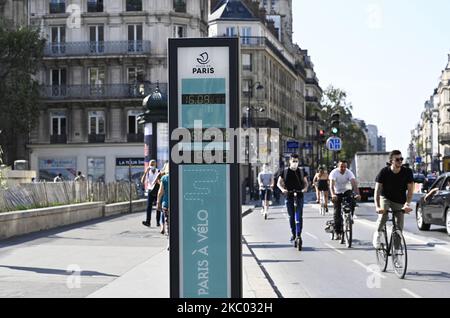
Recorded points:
399,254
383,253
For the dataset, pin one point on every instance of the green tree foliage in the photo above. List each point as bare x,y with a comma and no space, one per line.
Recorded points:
352,135
21,51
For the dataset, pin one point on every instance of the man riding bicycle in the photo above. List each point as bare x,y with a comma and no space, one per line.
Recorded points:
294,179
341,179
265,181
392,183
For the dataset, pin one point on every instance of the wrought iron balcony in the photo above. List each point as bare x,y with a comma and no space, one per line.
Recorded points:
58,139
312,81
135,138
313,118
260,122
444,138
263,41
96,139
312,99
97,48
94,92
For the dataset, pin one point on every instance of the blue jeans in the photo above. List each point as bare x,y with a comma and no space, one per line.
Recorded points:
291,212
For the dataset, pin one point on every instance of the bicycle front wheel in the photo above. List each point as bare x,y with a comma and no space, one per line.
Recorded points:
383,253
399,254
348,232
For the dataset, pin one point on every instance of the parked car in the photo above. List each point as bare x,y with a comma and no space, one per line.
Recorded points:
434,208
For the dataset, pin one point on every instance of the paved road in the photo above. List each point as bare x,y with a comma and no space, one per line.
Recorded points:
327,269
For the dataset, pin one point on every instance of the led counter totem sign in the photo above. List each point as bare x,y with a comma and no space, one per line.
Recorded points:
205,209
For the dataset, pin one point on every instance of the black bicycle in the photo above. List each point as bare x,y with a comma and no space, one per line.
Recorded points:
396,248
347,211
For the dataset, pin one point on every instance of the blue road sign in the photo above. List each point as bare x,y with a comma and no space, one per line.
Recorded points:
293,145
334,144
418,159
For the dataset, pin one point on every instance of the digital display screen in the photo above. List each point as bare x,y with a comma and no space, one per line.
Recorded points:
203,99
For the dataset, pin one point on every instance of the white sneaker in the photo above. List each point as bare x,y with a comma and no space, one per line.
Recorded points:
377,240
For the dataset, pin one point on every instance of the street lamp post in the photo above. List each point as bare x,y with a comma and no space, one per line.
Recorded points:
249,123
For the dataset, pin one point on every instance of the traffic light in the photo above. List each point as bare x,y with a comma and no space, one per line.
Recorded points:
322,137
335,124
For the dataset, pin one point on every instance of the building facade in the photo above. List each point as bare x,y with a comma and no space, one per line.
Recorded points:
442,102
101,60
381,144
15,11
276,79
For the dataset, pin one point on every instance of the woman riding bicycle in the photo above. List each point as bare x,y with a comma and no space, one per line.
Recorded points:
321,183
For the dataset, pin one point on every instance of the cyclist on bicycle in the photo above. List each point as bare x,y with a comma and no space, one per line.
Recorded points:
294,179
265,181
320,182
341,179
392,183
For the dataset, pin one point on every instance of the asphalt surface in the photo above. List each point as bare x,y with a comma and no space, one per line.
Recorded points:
326,268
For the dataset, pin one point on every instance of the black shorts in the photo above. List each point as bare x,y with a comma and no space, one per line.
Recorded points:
323,185
262,194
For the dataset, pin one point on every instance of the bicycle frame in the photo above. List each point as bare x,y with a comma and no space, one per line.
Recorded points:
388,251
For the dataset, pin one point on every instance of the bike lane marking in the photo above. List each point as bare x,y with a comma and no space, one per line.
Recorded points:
411,293
369,269
311,235
334,248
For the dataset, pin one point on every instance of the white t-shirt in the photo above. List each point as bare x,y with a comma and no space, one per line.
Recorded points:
151,176
342,181
265,177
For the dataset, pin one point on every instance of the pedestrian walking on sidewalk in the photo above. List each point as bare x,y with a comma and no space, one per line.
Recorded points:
163,200
80,177
149,178
58,178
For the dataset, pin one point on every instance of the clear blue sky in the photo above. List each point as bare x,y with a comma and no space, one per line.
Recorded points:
388,55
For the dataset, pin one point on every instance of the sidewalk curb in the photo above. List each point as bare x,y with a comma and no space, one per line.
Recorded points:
248,211
259,282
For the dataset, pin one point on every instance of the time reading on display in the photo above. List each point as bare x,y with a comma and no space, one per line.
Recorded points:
203,99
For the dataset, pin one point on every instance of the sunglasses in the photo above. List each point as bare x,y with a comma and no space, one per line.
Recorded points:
399,159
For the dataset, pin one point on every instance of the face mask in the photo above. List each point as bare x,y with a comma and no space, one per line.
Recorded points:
294,165
153,168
